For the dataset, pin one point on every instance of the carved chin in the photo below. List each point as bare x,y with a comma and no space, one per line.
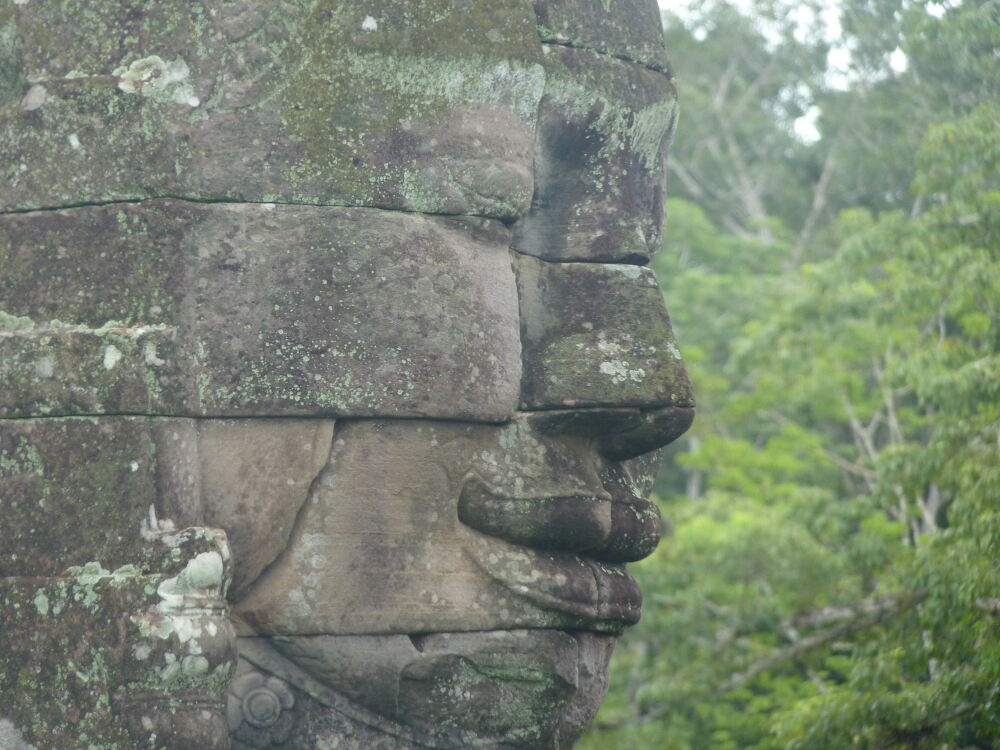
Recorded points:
505,688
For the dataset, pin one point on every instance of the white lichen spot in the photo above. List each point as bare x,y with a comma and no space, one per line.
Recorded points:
10,735
134,466
35,98
111,356
609,347
194,665
149,355
620,372
41,602
45,367
151,527
632,272
674,351
141,651
163,81
203,572
74,141
369,24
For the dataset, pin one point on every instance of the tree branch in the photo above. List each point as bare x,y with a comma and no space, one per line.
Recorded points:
820,194
799,648
863,615
990,605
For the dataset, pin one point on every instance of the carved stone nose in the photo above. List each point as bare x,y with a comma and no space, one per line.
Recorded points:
596,334
619,434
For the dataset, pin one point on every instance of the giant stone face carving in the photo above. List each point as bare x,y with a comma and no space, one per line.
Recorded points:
329,368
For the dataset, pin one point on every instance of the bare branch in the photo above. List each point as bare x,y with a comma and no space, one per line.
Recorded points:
862,436
870,476
864,615
820,195
722,90
686,178
990,605
752,93
837,614
800,648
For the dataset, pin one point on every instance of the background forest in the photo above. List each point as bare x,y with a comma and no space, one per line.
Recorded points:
832,264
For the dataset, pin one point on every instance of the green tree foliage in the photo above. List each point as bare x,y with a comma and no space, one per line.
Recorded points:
832,579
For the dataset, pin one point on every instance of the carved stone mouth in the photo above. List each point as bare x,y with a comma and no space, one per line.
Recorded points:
563,553
613,525
593,595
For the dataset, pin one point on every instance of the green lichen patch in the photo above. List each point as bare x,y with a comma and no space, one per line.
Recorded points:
604,127
59,661
76,667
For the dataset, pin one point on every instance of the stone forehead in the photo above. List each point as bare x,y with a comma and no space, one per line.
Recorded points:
304,263
174,307
419,106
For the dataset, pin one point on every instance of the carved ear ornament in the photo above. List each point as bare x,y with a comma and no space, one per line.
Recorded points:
263,703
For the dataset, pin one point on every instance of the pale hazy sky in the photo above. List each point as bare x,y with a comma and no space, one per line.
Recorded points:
838,59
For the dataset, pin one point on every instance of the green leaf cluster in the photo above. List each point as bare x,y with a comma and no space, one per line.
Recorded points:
832,575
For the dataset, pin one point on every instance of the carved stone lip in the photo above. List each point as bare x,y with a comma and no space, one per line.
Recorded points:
584,594
612,525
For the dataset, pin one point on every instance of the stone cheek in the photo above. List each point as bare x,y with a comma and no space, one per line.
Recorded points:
596,335
423,107
171,307
600,160
80,489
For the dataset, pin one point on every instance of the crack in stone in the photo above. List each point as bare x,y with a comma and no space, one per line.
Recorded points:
228,201
596,261
340,419
614,55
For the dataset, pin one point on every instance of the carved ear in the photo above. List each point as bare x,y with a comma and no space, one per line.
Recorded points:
256,475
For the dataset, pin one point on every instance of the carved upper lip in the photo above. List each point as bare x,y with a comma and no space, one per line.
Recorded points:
563,553
614,525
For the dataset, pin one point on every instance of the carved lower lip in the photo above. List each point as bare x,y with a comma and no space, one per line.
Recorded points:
583,593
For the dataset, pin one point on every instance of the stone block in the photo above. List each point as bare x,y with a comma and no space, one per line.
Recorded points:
180,308
596,334
600,159
74,490
418,106
630,30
